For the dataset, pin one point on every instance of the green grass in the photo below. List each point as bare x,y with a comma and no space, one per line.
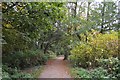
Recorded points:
73,72
37,72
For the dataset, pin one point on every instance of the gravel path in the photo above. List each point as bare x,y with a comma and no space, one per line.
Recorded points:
56,68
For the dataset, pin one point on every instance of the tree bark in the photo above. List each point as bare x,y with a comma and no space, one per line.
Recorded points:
88,8
65,56
103,10
75,14
46,47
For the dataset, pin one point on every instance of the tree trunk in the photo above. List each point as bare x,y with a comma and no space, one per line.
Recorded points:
65,56
75,14
88,8
46,47
41,46
102,27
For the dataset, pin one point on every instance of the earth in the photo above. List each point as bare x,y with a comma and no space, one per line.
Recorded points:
56,68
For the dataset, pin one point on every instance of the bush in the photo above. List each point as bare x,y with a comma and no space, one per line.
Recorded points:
97,73
25,59
83,73
105,45
81,55
9,73
51,54
99,46
5,75
112,65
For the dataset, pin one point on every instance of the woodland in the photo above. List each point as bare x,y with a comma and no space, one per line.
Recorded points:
86,33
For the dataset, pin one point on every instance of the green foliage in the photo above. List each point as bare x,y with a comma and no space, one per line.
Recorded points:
97,73
26,59
82,73
52,55
9,73
112,65
48,28
37,72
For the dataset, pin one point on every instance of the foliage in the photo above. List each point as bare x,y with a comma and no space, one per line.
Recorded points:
27,59
97,73
34,32
82,73
105,45
9,73
51,55
36,73
98,46
81,54
112,65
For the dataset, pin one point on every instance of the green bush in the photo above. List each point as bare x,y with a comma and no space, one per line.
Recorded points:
9,73
83,73
97,73
21,75
112,65
5,75
51,54
25,59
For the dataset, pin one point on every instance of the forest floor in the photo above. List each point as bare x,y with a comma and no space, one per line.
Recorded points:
56,68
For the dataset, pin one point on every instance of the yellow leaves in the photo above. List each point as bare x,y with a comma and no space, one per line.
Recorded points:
8,25
98,46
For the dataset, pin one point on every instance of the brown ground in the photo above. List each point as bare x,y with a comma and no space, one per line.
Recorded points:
56,68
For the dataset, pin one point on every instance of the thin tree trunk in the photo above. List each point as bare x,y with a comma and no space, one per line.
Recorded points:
103,10
75,14
46,47
88,8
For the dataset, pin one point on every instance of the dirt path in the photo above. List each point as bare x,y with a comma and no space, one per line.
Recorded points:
56,68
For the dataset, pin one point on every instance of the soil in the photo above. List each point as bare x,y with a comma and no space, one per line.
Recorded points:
56,68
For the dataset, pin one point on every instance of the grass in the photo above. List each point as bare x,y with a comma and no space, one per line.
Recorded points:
73,72
37,72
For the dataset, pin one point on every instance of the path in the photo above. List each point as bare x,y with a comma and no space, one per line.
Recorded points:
56,68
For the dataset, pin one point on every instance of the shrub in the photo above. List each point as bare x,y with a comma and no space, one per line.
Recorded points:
112,65
5,75
105,45
9,73
99,73
99,46
51,54
95,74
25,59
81,54
83,73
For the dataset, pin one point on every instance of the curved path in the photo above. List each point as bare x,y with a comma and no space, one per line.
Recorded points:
56,68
